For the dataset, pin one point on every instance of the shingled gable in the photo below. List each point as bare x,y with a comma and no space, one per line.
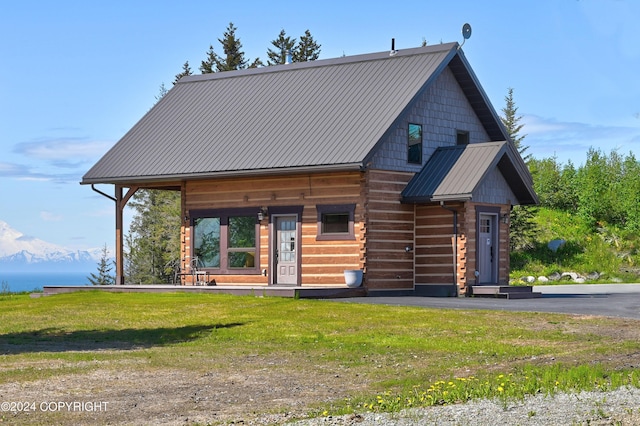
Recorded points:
454,173
321,115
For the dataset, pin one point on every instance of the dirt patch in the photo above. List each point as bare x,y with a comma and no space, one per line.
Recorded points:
261,392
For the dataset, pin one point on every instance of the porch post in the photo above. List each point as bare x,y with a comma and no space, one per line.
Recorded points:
121,202
119,238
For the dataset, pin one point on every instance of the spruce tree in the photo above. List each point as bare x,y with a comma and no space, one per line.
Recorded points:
105,266
522,228
282,44
186,70
307,49
233,55
511,121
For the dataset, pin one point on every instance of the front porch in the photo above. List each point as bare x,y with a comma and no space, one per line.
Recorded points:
306,292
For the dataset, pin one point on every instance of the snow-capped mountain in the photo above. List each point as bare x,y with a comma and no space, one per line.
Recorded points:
22,253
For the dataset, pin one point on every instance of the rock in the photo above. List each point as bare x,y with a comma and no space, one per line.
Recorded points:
543,279
593,276
580,280
555,276
571,275
554,245
529,279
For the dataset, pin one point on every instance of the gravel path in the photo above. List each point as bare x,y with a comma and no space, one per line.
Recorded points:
619,407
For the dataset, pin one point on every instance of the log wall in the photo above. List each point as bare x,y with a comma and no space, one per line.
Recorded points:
323,262
389,266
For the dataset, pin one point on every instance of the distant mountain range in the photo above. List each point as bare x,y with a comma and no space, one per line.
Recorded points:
22,253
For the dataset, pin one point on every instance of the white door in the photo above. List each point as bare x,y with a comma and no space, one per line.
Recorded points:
286,250
487,245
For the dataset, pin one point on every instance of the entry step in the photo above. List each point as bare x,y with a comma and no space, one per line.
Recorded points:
505,291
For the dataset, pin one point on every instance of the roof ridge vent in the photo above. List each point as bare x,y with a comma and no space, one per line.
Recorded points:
393,47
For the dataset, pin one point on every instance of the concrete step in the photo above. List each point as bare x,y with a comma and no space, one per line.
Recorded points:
504,291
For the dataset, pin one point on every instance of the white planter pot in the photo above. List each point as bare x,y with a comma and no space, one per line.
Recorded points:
353,277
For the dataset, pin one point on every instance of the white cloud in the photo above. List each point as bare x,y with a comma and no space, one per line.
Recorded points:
63,152
547,137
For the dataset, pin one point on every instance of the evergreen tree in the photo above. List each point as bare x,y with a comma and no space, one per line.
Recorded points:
233,55
522,228
154,239
511,121
186,70
103,277
161,92
307,49
283,44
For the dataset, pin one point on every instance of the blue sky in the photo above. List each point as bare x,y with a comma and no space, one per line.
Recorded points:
76,75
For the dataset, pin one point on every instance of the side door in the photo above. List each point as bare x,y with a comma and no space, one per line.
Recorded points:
487,249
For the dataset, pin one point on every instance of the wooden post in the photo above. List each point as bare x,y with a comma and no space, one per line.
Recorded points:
121,202
119,238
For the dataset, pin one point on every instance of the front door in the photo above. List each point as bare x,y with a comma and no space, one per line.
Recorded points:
286,250
487,249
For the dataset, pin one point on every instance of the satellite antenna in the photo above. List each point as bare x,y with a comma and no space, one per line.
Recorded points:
466,33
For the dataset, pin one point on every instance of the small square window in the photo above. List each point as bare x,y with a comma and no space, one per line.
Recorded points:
415,144
335,222
462,137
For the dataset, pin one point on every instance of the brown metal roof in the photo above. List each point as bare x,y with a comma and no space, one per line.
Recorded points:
325,113
453,173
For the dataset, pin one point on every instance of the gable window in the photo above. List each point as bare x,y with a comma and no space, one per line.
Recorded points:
335,222
415,144
225,240
462,137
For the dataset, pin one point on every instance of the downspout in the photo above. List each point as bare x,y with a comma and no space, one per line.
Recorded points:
455,244
93,187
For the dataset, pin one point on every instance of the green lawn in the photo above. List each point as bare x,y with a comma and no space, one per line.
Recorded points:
404,356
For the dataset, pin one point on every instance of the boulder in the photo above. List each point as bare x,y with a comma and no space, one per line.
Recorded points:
571,275
554,245
555,276
529,279
593,276
543,279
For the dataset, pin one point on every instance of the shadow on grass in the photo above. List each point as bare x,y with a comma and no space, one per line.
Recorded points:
58,340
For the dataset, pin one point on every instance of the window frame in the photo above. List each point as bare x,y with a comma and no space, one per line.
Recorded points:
324,209
462,134
415,144
225,249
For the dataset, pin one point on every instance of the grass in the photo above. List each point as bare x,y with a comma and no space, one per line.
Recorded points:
607,250
403,356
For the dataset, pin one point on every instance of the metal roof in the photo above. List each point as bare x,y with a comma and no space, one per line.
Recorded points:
453,173
319,114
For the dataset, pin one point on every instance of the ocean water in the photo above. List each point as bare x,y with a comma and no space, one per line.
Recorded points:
30,281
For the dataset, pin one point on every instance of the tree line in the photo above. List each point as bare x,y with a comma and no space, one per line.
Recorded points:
605,190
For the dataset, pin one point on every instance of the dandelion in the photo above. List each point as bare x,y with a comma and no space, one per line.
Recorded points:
500,389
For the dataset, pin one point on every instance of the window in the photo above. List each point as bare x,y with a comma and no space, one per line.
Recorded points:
335,222
226,240
462,137
415,144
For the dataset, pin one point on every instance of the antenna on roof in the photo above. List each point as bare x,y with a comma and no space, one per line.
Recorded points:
393,47
466,33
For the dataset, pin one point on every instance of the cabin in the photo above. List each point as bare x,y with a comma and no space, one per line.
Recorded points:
392,168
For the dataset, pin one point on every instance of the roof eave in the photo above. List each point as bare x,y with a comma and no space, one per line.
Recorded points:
120,180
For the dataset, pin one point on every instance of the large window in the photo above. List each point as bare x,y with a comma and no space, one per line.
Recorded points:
415,144
226,240
335,222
